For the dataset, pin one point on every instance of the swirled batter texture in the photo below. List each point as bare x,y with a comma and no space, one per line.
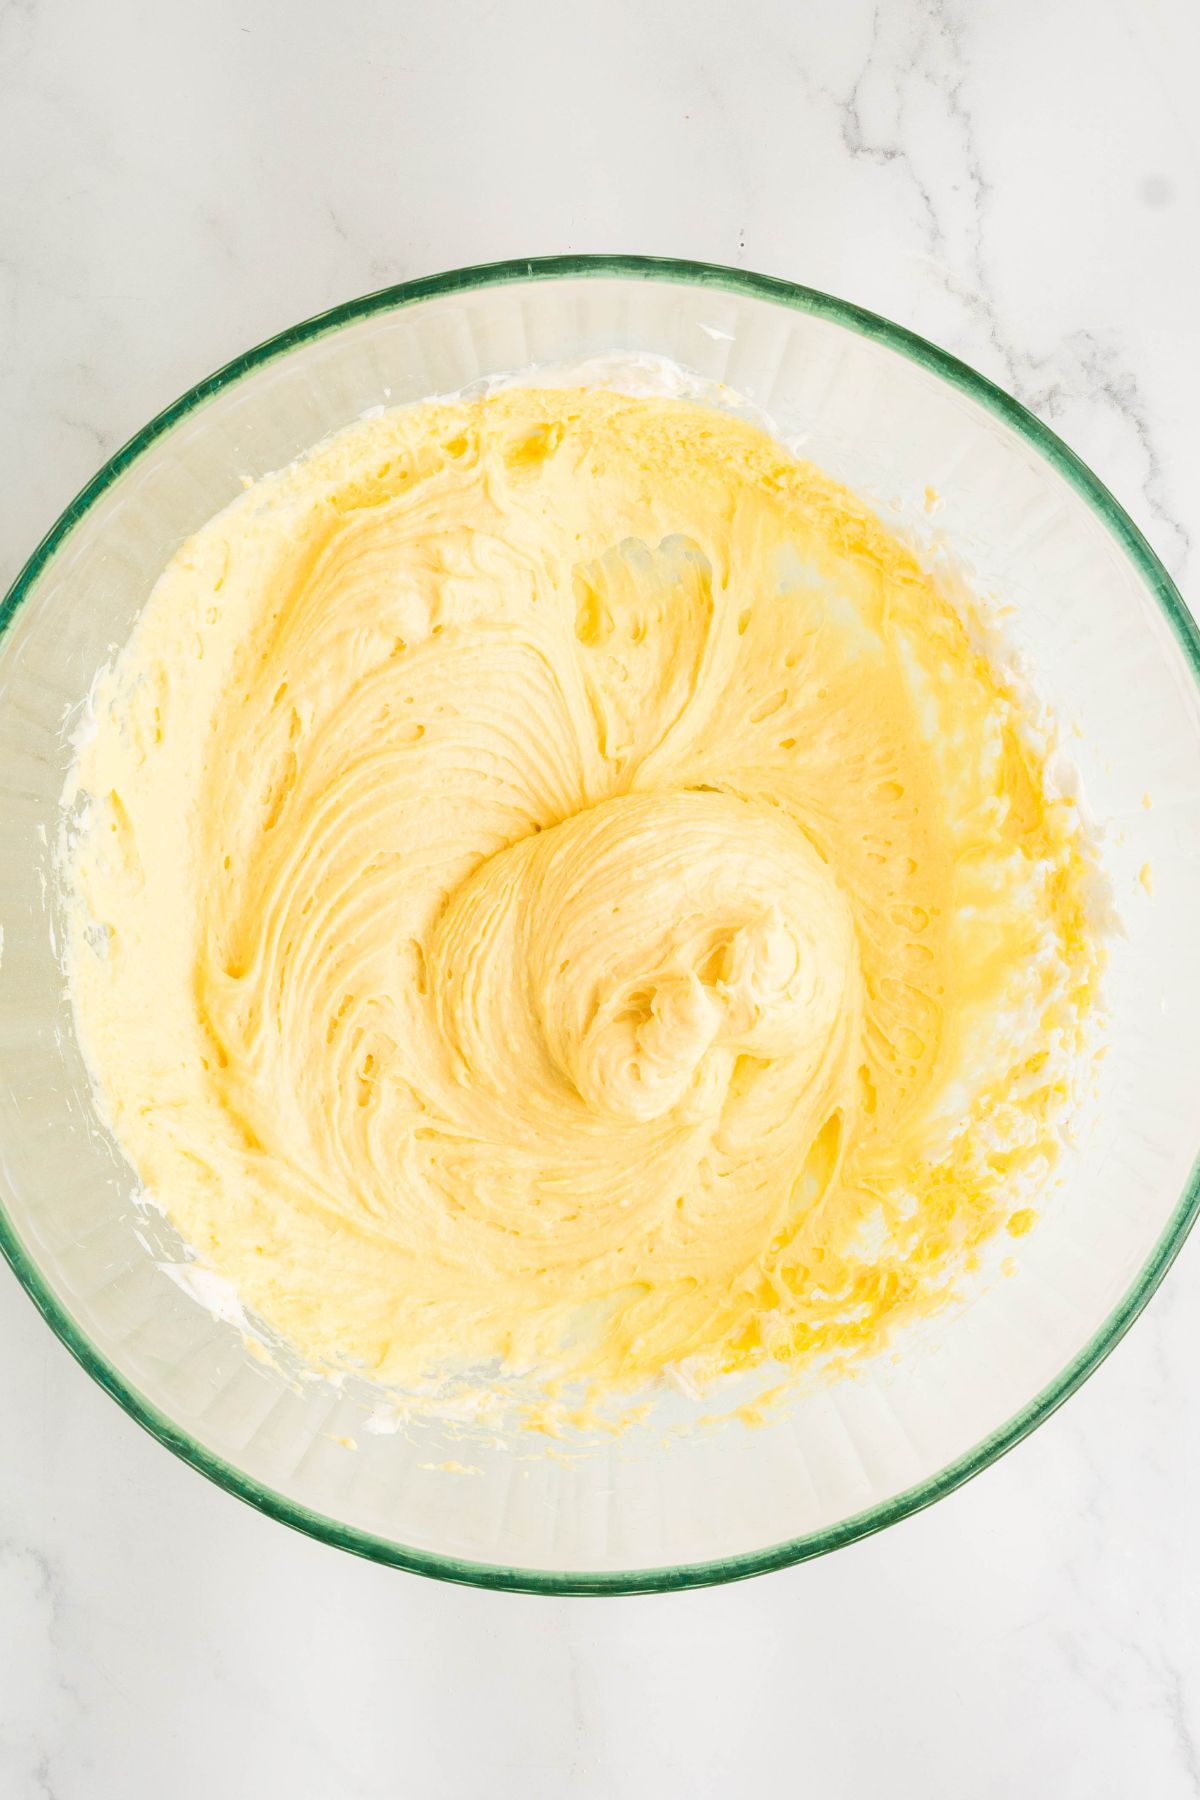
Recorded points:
563,885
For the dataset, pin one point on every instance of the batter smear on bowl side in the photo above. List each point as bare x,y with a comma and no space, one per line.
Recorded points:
562,884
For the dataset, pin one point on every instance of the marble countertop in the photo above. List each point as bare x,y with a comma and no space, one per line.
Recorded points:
1017,179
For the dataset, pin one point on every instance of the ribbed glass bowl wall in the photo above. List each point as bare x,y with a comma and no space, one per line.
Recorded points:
1115,652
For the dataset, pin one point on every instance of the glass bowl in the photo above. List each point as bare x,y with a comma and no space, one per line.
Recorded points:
1116,654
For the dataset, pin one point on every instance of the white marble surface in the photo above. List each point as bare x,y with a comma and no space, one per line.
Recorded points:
1019,179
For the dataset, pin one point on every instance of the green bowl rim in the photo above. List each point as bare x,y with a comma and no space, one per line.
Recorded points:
900,1506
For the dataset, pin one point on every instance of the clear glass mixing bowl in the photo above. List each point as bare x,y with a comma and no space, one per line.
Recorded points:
1115,652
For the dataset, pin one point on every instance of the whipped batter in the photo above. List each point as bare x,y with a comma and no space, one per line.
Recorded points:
563,886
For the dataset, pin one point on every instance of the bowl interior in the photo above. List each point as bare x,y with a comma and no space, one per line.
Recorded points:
1114,654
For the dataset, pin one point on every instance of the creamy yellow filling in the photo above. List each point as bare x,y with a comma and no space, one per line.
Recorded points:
563,884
